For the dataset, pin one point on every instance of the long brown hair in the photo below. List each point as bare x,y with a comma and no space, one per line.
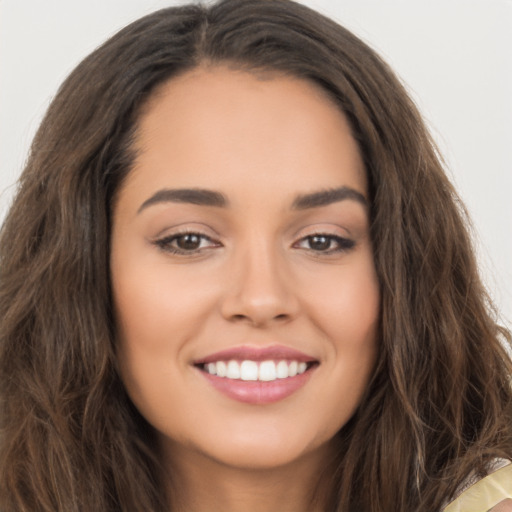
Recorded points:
439,404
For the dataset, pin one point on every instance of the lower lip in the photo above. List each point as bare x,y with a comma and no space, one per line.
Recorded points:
258,392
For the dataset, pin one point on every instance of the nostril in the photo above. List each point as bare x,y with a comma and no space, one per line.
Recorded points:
239,317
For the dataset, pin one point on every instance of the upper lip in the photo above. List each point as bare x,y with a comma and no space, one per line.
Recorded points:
241,353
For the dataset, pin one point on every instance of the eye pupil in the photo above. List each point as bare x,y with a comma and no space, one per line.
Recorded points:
188,242
319,242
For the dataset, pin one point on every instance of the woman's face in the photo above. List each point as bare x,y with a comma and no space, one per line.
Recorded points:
245,290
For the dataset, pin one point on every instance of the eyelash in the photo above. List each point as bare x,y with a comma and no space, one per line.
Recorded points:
166,243
343,244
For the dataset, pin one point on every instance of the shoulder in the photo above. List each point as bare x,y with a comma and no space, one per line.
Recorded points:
493,493
503,506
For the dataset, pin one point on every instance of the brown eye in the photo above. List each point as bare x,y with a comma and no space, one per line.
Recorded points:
320,242
188,242
325,244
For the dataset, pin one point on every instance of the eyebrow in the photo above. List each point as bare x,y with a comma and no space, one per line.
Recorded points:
199,196
327,197
205,197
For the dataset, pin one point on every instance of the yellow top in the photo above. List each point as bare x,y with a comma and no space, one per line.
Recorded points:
485,493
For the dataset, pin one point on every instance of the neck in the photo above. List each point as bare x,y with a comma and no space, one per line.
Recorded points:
198,483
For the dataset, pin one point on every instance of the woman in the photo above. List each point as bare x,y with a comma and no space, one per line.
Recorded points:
236,277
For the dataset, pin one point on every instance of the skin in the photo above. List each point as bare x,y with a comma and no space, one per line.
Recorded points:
502,506
255,280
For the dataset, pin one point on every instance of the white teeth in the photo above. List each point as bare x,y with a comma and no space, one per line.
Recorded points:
282,370
222,369
249,370
233,370
265,371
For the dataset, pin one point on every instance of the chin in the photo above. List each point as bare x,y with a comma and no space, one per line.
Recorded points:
261,449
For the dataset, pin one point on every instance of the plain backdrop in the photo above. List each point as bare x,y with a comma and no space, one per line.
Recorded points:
454,56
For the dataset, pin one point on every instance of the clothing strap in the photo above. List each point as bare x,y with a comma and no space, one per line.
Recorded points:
484,494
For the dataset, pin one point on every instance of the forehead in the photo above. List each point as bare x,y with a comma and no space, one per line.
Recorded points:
216,127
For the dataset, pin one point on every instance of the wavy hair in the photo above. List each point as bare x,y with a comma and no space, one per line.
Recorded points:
439,405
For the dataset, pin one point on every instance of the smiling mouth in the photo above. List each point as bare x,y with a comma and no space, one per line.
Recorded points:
257,375
256,371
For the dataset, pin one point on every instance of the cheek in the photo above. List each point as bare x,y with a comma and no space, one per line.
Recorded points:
155,303
154,323
346,309
347,303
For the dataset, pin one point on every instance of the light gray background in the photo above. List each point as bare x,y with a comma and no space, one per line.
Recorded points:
454,55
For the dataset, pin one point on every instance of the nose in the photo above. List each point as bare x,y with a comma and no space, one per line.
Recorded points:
260,291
